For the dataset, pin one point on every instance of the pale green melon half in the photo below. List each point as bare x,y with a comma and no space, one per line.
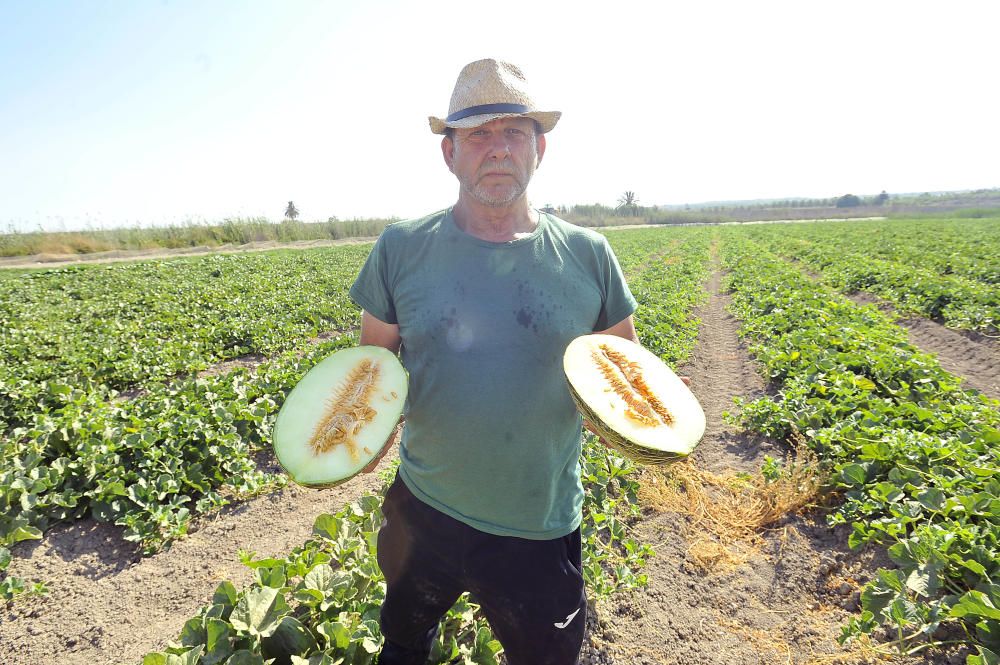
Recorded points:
312,399
605,408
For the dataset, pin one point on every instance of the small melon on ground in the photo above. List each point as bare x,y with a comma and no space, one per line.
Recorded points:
338,417
633,399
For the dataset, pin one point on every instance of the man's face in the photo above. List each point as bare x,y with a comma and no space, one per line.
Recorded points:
494,162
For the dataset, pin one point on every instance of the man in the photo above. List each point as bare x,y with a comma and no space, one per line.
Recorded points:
481,300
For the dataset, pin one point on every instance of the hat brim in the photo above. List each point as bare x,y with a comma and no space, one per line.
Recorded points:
546,120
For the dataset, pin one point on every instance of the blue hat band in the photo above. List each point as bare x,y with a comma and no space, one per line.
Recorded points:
483,109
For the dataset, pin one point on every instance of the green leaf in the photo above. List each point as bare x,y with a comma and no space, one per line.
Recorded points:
336,633
854,474
219,641
975,567
975,603
925,580
259,611
864,383
5,558
486,648
244,657
932,498
19,533
226,595
327,526
193,632
903,612
319,577
370,645
985,657
189,657
290,638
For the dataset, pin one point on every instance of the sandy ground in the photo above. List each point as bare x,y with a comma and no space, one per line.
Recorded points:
783,604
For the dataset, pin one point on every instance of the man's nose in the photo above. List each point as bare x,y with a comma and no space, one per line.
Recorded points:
499,146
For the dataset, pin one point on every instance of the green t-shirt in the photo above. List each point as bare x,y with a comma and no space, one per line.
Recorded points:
491,435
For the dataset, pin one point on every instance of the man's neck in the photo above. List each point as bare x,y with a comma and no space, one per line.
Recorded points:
502,224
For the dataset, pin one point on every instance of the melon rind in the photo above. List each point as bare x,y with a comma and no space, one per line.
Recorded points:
304,408
605,409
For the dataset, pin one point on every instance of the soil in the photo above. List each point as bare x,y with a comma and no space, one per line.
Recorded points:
781,598
108,605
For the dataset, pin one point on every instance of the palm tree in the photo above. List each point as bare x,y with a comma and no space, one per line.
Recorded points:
291,212
629,203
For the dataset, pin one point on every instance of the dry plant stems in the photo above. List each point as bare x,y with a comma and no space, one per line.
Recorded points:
763,641
860,652
771,642
727,512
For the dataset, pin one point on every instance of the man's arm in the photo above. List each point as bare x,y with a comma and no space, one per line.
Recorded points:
379,333
624,328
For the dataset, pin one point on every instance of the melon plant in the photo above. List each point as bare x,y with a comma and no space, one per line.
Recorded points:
632,399
339,416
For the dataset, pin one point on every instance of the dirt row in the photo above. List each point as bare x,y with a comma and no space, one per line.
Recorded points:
778,598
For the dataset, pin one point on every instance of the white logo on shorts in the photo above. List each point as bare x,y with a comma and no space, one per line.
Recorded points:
568,619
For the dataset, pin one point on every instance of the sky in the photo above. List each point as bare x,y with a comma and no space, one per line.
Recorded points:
163,112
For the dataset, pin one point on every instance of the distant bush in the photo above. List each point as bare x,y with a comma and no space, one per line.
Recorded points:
848,201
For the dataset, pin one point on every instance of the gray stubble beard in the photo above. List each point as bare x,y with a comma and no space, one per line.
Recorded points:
481,194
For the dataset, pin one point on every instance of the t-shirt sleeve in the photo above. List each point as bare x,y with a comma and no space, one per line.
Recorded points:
619,303
372,289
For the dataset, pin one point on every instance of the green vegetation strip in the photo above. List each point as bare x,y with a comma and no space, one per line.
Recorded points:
963,247
915,457
947,270
118,327
232,231
147,464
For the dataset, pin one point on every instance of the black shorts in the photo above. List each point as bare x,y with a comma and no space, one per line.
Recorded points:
531,591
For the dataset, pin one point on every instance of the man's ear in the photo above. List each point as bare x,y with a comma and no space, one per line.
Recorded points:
448,152
540,142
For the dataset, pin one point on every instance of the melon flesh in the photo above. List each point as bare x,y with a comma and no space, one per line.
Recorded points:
637,404
338,417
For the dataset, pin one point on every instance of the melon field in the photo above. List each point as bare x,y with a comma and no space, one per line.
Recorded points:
843,506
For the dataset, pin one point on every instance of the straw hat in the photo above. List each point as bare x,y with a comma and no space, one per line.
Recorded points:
490,89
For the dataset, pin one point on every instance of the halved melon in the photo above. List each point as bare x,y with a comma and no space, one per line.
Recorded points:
338,417
634,401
